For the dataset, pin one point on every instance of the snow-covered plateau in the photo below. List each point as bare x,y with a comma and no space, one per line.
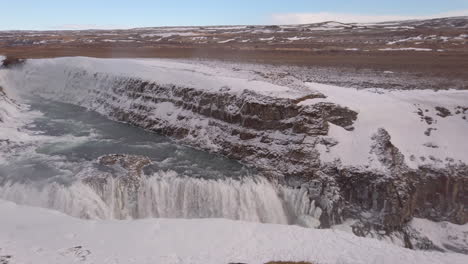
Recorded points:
258,146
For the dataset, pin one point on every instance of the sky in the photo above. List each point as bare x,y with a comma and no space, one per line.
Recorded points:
85,14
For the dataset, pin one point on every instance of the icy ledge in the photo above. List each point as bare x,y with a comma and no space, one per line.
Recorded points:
34,235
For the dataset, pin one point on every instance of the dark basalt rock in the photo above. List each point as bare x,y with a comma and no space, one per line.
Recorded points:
126,169
132,163
442,111
10,62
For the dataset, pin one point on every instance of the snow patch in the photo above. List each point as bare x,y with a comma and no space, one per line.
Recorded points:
226,41
405,49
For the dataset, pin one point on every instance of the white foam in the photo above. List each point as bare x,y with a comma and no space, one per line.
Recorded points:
167,195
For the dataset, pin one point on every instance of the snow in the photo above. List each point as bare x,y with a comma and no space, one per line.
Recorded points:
34,235
163,72
198,38
118,40
444,235
326,28
461,37
444,39
226,41
405,49
405,40
335,24
168,34
399,27
396,111
298,38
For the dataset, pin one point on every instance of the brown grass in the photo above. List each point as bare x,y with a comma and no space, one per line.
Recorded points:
447,64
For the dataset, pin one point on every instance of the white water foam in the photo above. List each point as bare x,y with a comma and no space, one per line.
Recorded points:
168,195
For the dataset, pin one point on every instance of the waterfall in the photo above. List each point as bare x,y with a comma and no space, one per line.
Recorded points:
168,195
165,194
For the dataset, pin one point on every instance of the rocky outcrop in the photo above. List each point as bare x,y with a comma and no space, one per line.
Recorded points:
7,106
120,175
2,100
385,201
441,195
274,134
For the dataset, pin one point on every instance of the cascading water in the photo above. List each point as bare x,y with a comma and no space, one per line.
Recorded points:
57,168
164,194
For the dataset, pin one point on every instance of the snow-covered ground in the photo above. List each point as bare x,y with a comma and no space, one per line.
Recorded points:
162,71
444,235
39,236
411,118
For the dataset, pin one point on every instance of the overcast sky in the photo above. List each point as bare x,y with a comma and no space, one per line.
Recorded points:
81,14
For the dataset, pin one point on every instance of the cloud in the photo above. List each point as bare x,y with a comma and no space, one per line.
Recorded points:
304,18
